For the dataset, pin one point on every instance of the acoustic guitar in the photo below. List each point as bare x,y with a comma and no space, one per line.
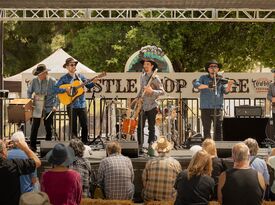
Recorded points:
76,89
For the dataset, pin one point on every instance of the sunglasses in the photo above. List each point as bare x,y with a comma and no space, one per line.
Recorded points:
213,66
72,64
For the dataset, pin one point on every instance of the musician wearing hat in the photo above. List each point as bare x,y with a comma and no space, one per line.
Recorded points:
160,173
271,97
150,89
212,90
41,90
77,108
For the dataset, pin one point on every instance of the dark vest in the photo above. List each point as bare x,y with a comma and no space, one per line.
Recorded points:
242,187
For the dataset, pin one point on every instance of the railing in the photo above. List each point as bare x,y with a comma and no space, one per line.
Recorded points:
101,122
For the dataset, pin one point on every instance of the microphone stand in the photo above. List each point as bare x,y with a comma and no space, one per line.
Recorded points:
215,108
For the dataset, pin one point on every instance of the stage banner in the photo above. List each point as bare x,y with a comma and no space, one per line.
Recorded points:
176,85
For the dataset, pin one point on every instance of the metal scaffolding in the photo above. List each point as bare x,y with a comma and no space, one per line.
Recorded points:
146,14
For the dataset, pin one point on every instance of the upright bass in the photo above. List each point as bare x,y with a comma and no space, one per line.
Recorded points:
130,123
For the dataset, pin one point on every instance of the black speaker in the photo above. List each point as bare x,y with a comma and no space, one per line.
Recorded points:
248,111
224,148
129,148
239,129
46,146
195,139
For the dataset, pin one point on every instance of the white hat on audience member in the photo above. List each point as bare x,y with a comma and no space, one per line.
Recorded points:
194,149
19,135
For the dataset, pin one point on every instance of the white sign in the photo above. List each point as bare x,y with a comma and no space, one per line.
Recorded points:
176,85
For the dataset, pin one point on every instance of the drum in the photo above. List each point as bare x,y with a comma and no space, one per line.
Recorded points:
128,126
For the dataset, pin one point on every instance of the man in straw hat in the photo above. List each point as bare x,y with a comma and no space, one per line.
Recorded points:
150,58
41,90
211,98
160,173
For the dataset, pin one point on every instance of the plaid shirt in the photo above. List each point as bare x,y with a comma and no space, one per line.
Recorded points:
83,167
116,176
159,177
149,101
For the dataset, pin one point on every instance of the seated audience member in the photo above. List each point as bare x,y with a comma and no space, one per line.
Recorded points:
160,173
218,165
27,182
62,184
241,185
195,185
82,166
255,162
116,174
34,198
11,170
271,162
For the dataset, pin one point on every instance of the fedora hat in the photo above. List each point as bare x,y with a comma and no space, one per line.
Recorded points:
162,145
213,61
68,61
61,155
41,68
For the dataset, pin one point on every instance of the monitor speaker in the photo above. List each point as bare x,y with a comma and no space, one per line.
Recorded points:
46,146
129,148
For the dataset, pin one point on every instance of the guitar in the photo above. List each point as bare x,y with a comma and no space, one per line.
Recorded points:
76,89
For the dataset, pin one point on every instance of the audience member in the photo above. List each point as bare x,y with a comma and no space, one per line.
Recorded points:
34,198
116,174
194,149
195,185
11,170
62,184
218,164
27,182
160,173
82,166
255,162
241,185
271,163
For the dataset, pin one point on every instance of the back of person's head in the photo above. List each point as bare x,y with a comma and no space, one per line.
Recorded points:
34,198
240,152
200,164
194,149
113,147
209,146
78,147
252,145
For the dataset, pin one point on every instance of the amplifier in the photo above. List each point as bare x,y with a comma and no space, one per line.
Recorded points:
248,111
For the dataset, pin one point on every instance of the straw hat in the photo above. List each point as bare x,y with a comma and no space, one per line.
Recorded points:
162,145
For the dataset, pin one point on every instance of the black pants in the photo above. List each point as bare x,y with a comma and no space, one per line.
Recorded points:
151,116
35,126
82,116
207,116
273,118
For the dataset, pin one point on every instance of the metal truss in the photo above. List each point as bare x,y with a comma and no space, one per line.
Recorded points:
151,14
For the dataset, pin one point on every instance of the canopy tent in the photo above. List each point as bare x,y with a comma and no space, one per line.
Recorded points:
54,62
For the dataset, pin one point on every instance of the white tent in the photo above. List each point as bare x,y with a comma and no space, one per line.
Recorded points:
54,62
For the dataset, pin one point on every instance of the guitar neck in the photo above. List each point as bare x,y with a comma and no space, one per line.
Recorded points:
90,80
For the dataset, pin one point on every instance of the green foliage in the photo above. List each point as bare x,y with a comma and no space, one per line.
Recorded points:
108,45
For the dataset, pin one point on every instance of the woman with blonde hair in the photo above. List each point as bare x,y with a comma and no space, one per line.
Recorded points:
218,164
195,185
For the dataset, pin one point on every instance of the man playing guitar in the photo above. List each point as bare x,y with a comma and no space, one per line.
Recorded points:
78,106
44,100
